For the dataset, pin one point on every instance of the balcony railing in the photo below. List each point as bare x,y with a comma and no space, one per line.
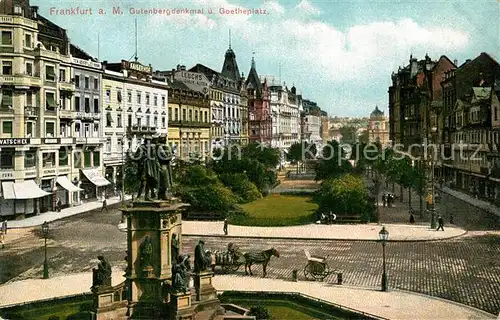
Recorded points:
30,111
22,80
191,124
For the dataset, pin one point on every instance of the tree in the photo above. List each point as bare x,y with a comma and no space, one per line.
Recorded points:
334,163
202,189
346,195
259,312
131,180
301,151
349,134
269,157
241,186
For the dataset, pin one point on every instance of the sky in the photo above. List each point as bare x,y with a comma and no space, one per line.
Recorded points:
338,53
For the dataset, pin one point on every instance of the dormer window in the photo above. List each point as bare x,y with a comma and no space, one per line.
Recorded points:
18,10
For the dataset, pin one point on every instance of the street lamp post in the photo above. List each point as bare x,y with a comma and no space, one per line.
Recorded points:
45,233
123,170
384,235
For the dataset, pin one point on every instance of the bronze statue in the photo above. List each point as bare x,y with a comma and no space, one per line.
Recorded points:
174,248
101,275
165,156
148,172
180,274
146,252
202,259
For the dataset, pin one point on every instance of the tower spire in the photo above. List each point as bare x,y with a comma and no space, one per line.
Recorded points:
136,58
253,59
229,38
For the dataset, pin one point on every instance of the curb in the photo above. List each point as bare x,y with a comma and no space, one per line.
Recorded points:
111,206
316,239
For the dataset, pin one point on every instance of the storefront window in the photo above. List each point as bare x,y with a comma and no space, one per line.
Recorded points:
7,158
30,159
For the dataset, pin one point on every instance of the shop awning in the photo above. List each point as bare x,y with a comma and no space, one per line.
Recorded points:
22,190
95,177
8,190
66,184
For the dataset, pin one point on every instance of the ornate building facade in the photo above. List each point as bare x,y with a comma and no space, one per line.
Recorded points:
378,128
285,116
39,156
134,105
259,110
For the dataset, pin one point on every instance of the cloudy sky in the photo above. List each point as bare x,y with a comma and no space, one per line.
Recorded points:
338,53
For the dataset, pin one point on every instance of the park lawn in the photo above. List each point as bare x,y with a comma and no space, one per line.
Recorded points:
277,210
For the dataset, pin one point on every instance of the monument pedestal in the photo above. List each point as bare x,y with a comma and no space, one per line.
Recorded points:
181,307
203,286
150,226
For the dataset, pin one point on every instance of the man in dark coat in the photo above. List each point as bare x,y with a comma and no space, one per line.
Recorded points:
441,223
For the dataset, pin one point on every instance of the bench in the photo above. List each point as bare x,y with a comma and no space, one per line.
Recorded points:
347,219
314,258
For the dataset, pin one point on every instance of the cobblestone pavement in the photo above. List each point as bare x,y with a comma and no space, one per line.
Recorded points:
466,270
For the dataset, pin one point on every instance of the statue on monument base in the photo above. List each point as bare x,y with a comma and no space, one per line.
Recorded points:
180,274
102,275
202,258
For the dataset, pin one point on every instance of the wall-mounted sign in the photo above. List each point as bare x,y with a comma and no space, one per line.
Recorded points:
80,140
194,80
86,63
137,67
51,140
14,142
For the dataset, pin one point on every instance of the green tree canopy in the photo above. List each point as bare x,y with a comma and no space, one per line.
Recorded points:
346,195
334,163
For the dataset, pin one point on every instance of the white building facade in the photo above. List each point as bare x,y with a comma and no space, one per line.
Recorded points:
286,117
134,105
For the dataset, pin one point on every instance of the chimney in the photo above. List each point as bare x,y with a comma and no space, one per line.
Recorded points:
455,62
183,68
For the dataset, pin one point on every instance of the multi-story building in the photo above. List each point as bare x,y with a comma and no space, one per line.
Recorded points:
226,96
134,106
39,157
378,128
83,117
470,100
259,110
285,116
311,122
325,127
188,113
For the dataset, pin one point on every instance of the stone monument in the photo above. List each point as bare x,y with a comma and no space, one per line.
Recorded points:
158,273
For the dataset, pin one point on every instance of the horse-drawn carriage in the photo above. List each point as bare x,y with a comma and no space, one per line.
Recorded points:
229,260
316,268
233,259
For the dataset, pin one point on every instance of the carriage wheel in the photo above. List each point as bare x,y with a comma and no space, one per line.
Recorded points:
234,267
308,272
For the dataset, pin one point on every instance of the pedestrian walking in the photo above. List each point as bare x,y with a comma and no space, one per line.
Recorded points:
412,217
2,237
104,205
58,205
225,226
4,227
441,223
384,199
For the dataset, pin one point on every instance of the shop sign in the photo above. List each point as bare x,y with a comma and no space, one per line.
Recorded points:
80,140
51,140
137,67
86,63
14,142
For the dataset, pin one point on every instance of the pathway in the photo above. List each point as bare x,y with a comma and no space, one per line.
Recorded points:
392,305
369,232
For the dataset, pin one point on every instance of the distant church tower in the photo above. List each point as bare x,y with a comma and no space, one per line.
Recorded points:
230,68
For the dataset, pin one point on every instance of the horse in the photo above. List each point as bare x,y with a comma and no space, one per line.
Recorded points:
262,258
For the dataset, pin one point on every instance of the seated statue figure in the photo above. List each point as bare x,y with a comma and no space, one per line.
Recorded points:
180,274
101,275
